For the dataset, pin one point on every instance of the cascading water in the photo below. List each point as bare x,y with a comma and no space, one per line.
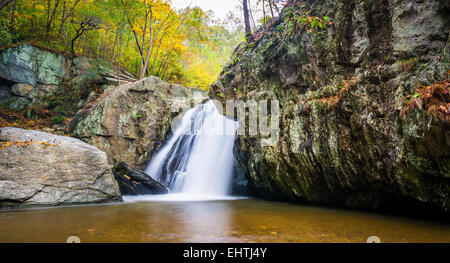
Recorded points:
198,158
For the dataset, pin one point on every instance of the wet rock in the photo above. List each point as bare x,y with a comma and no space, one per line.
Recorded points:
341,137
130,122
41,169
135,182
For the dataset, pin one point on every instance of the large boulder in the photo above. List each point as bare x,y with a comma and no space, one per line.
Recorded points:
363,88
41,169
130,122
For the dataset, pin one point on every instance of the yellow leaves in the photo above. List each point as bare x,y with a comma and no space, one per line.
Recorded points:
4,145
17,119
40,7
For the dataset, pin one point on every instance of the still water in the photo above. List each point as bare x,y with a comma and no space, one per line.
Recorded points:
242,220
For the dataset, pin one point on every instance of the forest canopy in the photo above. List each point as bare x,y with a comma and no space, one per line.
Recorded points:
145,37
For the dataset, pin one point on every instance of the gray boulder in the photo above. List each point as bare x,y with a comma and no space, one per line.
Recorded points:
130,122
42,169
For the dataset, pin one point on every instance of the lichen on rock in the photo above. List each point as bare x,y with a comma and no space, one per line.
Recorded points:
132,121
341,90
41,169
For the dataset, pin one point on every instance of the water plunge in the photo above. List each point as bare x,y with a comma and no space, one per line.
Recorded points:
198,158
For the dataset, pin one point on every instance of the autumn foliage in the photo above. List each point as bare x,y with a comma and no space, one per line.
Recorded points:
434,99
144,37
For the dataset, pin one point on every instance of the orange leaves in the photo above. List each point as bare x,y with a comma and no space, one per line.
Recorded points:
333,101
6,144
17,119
330,102
347,85
434,99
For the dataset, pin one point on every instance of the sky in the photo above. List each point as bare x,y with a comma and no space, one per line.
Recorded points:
219,7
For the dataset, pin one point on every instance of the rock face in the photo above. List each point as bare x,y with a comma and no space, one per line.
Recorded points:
130,122
41,169
27,64
32,76
364,103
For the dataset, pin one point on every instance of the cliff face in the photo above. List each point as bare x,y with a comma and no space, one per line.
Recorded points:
34,76
364,100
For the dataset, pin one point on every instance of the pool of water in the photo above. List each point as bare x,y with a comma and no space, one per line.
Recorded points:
164,219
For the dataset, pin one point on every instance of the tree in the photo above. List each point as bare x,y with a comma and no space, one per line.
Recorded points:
248,30
50,16
144,37
90,23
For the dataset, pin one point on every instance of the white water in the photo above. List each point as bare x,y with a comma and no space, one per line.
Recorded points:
179,197
197,161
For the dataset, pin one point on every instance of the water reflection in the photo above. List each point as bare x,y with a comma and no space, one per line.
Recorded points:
203,223
212,221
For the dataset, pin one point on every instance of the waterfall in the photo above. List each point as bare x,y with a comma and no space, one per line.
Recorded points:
198,157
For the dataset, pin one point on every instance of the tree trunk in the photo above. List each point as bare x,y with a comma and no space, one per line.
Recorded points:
114,47
66,14
136,39
276,7
63,16
105,46
251,15
271,9
147,13
264,10
248,30
13,17
99,44
170,45
120,53
85,43
77,35
50,18
152,36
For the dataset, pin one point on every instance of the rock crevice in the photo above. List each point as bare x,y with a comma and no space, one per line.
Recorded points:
342,89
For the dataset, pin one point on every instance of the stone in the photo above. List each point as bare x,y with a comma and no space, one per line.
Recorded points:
134,182
22,89
342,139
51,75
130,122
42,169
32,65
